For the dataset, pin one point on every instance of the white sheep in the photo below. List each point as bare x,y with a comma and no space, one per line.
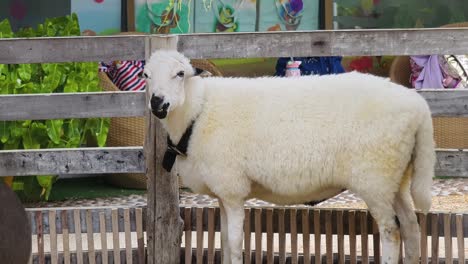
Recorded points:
294,140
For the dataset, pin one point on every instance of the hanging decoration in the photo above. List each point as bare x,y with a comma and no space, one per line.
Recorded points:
290,12
226,16
169,18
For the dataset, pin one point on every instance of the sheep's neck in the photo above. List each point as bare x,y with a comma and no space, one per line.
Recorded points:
180,118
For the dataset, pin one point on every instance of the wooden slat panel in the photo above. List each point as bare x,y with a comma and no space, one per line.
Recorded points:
102,228
199,215
188,234
64,49
71,161
40,237
352,236
258,235
452,163
423,228
324,43
128,238
66,238
79,246
53,237
72,105
460,238
328,236
140,235
376,241
317,236
306,235
293,227
447,102
115,235
211,235
435,238
364,238
447,238
247,235
281,236
340,235
90,235
269,231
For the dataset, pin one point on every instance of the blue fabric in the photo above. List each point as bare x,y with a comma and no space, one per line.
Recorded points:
312,65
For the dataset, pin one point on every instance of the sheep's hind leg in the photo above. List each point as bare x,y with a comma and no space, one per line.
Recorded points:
409,227
385,216
226,257
235,222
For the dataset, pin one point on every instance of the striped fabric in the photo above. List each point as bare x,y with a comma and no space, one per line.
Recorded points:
124,74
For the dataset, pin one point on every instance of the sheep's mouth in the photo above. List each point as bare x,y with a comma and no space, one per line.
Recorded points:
161,112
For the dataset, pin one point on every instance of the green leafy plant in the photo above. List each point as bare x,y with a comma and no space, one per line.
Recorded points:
71,77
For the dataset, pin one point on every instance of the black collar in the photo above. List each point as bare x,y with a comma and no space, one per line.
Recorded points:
180,149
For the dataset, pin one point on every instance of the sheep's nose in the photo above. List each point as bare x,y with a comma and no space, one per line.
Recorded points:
156,102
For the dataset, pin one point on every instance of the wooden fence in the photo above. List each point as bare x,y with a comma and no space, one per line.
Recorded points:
163,208
272,235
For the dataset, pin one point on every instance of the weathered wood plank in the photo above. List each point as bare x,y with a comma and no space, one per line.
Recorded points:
258,235
102,227
376,241
64,49
340,234
317,237
128,238
40,237
247,237
448,238
79,245
452,163
460,238
188,234
269,238
71,105
131,159
435,238
164,223
53,237
211,235
241,45
324,43
423,228
447,102
306,235
115,235
328,236
71,161
293,226
281,236
364,238
199,216
90,236
352,236
66,239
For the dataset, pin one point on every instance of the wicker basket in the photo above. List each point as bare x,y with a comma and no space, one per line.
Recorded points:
449,132
129,131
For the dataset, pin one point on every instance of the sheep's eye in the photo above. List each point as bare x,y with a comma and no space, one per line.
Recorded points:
181,74
143,75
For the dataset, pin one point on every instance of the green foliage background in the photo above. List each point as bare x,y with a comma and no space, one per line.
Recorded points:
70,77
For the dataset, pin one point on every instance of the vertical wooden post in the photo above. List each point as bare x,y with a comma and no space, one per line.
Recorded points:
163,220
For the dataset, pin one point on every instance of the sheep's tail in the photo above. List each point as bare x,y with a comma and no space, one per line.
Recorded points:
424,159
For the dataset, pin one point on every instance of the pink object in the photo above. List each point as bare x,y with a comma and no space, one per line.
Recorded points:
292,69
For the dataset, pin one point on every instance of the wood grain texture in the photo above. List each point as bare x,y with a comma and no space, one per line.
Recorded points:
452,163
72,105
53,237
423,228
90,237
102,227
370,42
65,49
66,238
447,103
79,245
115,235
164,223
71,161
460,238
247,237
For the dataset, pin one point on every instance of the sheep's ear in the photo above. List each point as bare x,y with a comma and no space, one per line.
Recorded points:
202,73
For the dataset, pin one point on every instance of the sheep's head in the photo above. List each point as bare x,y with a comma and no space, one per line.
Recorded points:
165,74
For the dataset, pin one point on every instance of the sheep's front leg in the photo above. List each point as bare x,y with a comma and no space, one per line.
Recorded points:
235,221
226,257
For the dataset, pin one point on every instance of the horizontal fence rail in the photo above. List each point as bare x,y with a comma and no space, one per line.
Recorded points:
72,161
73,105
452,103
242,45
286,233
